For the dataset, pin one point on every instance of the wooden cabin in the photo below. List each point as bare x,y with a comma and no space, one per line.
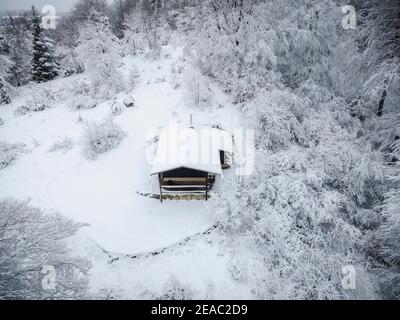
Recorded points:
194,173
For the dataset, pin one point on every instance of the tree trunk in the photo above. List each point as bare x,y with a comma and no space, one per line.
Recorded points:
383,98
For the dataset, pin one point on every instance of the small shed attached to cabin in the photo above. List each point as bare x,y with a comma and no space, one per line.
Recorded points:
188,160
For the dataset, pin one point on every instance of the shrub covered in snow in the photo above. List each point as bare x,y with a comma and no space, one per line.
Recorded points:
197,87
35,262
63,145
39,98
81,102
9,152
122,102
68,62
117,108
385,242
176,290
81,87
21,111
133,78
129,102
101,137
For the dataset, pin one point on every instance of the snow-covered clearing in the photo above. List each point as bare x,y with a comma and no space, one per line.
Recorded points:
104,192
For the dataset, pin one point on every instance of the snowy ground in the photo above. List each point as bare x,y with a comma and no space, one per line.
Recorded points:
103,192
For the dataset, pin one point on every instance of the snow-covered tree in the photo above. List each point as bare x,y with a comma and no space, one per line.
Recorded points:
35,262
144,28
5,65
387,242
117,19
17,32
197,87
82,8
4,97
379,35
226,43
44,65
99,52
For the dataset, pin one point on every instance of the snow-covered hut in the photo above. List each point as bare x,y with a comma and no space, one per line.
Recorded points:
188,159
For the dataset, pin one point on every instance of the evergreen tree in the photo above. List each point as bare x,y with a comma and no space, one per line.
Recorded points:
4,97
44,64
5,65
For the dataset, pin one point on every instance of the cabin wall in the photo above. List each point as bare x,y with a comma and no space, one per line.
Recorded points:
185,179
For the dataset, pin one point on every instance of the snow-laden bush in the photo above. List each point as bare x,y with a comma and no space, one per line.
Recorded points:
113,293
121,103
129,102
276,117
83,103
101,137
80,87
385,242
177,74
9,152
81,97
1,122
198,90
133,77
35,262
69,63
353,169
63,145
39,98
106,81
21,111
176,290
117,108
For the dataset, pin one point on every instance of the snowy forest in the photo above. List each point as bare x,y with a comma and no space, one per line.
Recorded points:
317,80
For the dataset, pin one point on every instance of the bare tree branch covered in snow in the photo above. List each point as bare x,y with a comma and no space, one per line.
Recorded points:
9,152
30,242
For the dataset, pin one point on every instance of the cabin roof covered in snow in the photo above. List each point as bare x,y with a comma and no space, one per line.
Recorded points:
193,148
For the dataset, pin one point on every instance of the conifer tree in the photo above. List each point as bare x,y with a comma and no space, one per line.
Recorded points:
44,64
5,65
